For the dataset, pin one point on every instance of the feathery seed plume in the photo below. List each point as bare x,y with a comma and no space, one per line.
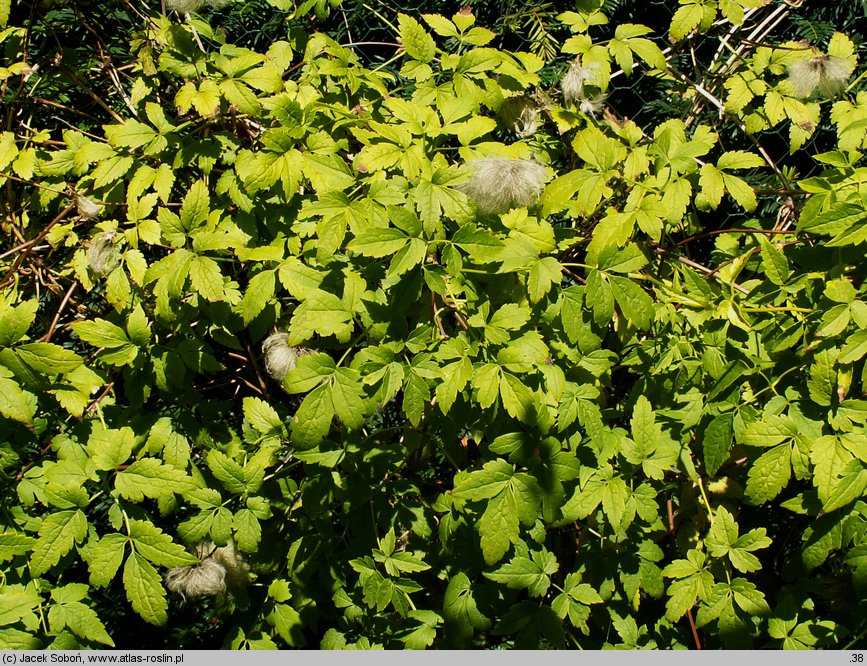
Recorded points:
184,6
220,571
280,356
102,255
591,105
87,208
521,115
824,73
499,184
572,83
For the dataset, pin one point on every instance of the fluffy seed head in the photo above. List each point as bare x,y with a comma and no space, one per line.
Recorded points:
184,6
280,356
87,208
221,571
591,105
235,565
572,83
103,255
826,74
207,578
187,6
499,184
521,115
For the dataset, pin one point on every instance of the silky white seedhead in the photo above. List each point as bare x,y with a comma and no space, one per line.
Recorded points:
573,82
184,6
592,105
205,579
499,184
280,356
87,208
521,115
103,255
220,572
825,74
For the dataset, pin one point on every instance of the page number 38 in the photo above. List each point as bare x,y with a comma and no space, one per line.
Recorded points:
857,658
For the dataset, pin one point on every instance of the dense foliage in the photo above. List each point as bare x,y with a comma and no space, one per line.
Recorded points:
421,341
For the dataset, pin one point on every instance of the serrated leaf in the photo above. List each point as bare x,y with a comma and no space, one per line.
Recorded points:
157,547
81,620
769,474
499,527
774,261
58,533
14,543
149,477
313,419
110,448
418,44
485,483
105,558
263,417
144,590
47,358
17,602
634,302
717,442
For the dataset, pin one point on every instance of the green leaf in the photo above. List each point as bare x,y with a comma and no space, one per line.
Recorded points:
260,291
485,483
419,44
717,442
854,349
685,20
321,314
144,590
543,275
379,242
739,159
14,543
347,397
105,558
16,320
110,448
823,377
313,419
206,278
481,245
58,533
774,262
17,602
263,417
47,358
150,542
849,487
526,573
516,397
81,620
131,134
151,478
633,301
15,403
769,474
499,527
110,170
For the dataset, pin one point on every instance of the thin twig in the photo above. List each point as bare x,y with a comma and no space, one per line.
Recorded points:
47,336
704,269
717,232
42,234
694,629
